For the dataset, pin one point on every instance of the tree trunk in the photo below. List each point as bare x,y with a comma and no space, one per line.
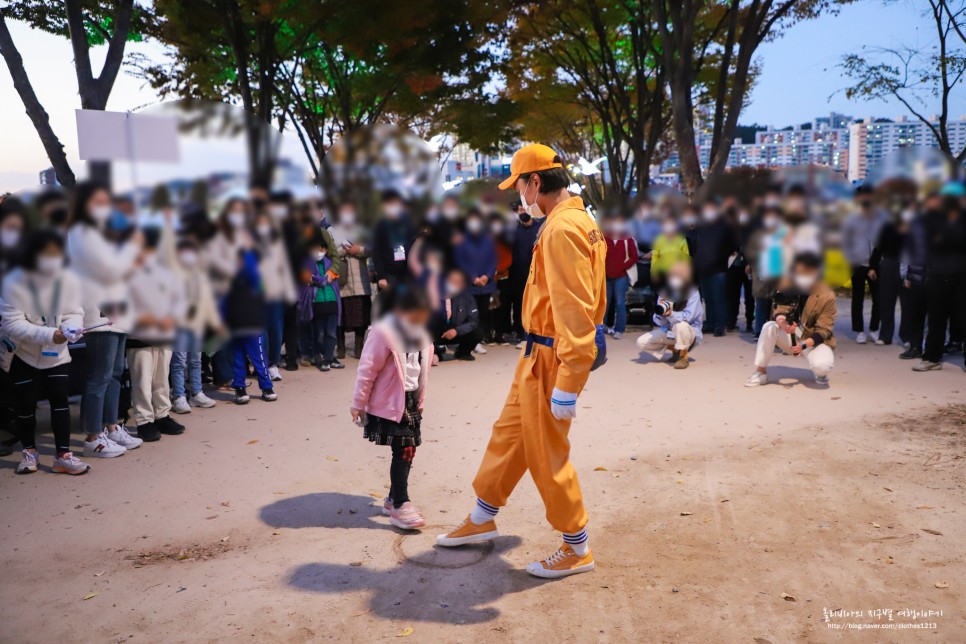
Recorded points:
38,116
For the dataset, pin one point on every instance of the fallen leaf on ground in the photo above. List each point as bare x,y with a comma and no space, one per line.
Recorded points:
355,564
889,560
375,495
876,525
686,514
406,632
836,397
924,507
252,441
90,596
930,531
98,574
724,500
600,468
788,597
942,584
331,458
224,539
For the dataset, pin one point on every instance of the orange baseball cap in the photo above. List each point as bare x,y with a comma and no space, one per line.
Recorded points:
530,158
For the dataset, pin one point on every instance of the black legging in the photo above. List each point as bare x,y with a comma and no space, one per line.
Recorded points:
26,391
402,462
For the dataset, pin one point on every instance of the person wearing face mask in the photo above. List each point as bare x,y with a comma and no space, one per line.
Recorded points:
356,291
42,310
104,268
809,331
524,239
243,310
457,319
319,306
912,271
475,255
765,254
563,313
678,321
621,258
200,316
670,248
158,302
860,230
739,271
885,273
279,286
714,244
390,392
392,239
644,226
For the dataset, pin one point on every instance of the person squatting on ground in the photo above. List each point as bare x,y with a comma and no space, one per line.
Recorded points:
457,319
807,297
41,311
563,306
390,391
678,320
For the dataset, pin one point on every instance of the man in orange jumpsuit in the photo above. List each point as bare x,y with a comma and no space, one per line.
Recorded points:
563,306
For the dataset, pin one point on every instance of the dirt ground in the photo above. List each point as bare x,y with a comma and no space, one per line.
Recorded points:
718,514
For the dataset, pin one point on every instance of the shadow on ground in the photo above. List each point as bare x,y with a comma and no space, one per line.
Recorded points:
420,593
324,510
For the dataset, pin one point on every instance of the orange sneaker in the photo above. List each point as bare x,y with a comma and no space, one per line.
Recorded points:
562,563
468,532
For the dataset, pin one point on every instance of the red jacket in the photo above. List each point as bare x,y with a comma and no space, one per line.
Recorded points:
621,255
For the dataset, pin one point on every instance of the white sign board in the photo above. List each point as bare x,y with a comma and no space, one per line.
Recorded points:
123,136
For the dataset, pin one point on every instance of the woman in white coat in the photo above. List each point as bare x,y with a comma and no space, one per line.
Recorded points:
103,267
41,313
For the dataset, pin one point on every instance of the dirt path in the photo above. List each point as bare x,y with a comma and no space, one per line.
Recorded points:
708,502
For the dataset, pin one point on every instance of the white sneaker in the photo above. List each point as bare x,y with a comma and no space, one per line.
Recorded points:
28,465
120,436
201,400
103,447
274,374
860,338
618,335
480,349
757,379
879,342
875,336
610,331
180,406
521,344
67,463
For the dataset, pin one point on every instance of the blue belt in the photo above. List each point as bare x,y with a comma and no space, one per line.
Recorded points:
532,339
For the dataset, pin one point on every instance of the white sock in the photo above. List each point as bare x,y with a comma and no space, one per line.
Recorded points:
578,541
483,512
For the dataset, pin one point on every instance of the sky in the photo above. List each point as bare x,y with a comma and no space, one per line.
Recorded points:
799,81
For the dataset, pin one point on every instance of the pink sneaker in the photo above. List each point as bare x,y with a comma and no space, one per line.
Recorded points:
407,517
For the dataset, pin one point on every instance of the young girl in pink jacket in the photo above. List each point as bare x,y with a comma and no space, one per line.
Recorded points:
389,394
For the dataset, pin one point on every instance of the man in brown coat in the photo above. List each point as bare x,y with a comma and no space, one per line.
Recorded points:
810,334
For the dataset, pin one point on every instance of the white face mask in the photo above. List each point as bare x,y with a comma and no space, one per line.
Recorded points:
709,214
644,213
263,230
744,218
9,237
451,213
319,256
188,258
100,213
279,211
496,228
474,225
907,216
771,223
236,219
531,209
50,265
804,282
669,230
347,219
689,220
453,289
675,283
393,211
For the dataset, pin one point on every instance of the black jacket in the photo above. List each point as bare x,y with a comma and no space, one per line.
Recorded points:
524,239
713,244
386,237
464,317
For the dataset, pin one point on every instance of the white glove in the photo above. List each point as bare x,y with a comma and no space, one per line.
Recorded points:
563,405
72,334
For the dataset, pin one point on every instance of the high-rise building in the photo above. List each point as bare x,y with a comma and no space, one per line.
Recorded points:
874,139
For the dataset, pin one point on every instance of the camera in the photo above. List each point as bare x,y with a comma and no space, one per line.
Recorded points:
664,307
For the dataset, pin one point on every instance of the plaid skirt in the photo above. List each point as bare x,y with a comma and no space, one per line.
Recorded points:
405,433
356,311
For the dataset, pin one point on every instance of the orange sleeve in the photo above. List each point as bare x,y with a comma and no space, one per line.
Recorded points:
570,278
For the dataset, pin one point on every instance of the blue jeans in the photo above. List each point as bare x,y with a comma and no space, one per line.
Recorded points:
319,336
102,386
186,356
714,288
275,313
762,312
617,297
